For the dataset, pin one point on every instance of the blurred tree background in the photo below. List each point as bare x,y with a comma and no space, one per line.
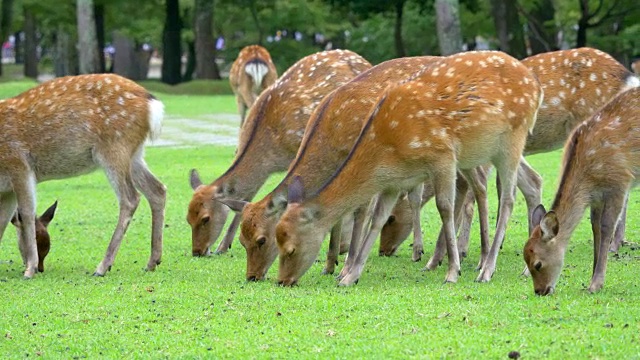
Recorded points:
198,39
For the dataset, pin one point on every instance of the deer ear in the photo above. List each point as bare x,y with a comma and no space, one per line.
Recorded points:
277,204
538,214
235,205
295,191
194,179
47,216
549,226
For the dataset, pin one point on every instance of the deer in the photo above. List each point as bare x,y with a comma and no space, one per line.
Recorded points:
251,73
43,240
635,66
71,126
334,125
576,83
458,113
600,166
268,143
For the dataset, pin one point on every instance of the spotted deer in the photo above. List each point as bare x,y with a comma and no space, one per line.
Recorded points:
576,83
600,166
269,141
251,73
428,126
70,126
334,125
43,240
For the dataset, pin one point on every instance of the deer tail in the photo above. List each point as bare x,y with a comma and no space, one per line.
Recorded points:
156,114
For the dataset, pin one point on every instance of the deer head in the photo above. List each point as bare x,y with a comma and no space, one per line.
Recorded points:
43,240
543,255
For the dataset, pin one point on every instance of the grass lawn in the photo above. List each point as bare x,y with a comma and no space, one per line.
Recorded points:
202,307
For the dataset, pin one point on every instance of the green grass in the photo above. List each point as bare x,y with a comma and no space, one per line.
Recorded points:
194,87
202,307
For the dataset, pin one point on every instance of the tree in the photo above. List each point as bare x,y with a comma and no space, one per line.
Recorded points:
205,47
5,23
30,43
171,44
540,25
509,28
87,38
448,26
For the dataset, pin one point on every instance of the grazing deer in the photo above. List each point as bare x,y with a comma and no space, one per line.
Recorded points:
269,142
600,166
576,83
251,73
334,125
460,112
70,126
43,240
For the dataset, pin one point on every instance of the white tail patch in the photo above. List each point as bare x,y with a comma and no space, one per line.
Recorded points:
257,71
156,114
631,82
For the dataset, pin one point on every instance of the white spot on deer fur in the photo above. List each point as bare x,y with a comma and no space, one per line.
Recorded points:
120,100
561,94
511,114
393,124
482,63
107,80
604,75
598,91
415,143
582,84
582,102
555,101
591,152
553,59
593,77
566,61
468,62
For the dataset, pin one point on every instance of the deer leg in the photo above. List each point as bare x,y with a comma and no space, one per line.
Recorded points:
596,221
530,184
613,207
347,233
386,202
415,201
226,242
128,200
334,248
618,238
465,218
479,188
156,194
360,217
444,186
8,205
25,191
507,170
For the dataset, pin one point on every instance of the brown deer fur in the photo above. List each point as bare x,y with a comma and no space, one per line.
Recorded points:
576,83
426,127
269,140
70,126
334,125
600,166
251,73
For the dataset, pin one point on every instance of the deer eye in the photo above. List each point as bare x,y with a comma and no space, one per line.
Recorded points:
261,240
204,220
538,265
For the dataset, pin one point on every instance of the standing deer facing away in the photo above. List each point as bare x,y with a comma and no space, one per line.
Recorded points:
269,141
460,112
251,73
335,124
71,126
600,166
576,83
43,240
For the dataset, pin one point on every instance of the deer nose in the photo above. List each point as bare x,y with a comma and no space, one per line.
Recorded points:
252,278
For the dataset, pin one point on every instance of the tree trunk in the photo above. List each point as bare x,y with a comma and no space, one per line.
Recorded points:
87,38
171,44
99,16
5,25
256,21
583,24
542,32
65,61
205,45
191,62
30,45
509,28
397,32
448,26
129,61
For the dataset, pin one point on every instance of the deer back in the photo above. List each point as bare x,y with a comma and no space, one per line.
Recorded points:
576,83
253,69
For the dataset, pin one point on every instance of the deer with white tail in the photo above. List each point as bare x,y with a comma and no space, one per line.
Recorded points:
268,142
251,73
460,112
600,166
71,126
